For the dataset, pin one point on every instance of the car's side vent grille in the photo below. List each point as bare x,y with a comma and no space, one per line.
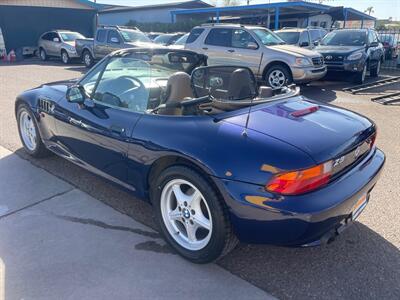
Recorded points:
45,105
318,61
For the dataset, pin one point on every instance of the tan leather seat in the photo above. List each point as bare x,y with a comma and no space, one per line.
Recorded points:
240,85
179,88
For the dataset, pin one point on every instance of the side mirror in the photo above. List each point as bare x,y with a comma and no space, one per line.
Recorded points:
252,46
304,44
75,94
227,83
316,43
114,40
56,39
374,44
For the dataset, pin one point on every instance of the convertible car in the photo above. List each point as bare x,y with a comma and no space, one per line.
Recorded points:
220,158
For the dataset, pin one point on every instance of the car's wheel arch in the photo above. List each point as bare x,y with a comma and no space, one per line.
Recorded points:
276,63
165,162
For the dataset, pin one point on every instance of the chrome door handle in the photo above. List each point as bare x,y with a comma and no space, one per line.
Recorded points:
117,129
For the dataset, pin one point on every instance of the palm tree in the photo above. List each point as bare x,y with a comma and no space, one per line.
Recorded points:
369,10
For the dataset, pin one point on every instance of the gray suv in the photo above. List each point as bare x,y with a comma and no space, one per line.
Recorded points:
267,55
59,43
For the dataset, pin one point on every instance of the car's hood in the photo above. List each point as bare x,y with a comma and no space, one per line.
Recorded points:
72,43
337,49
294,50
323,134
60,86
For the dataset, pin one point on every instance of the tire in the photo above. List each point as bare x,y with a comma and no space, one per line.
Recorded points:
376,70
278,76
43,54
65,57
37,149
206,245
87,59
359,77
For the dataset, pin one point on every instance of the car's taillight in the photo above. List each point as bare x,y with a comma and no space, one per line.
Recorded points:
301,181
371,140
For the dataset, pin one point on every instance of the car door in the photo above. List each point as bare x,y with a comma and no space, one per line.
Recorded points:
96,134
100,44
113,41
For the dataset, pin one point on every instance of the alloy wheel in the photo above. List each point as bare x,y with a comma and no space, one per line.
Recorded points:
277,79
64,57
28,131
186,214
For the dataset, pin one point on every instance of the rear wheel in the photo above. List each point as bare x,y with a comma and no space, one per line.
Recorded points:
65,57
278,76
192,218
87,59
29,133
43,54
359,77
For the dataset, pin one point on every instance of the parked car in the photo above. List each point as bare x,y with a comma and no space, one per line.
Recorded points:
180,43
167,128
168,39
59,43
354,51
302,37
153,35
265,53
109,39
391,44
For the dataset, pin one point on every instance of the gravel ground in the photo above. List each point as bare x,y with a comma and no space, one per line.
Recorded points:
363,263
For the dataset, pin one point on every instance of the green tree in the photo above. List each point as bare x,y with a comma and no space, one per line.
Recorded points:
369,10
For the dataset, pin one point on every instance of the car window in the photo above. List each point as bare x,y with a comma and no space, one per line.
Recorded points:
241,38
194,34
268,38
182,40
304,38
290,37
71,36
101,35
46,36
89,81
130,36
163,39
219,37
315,35
112,34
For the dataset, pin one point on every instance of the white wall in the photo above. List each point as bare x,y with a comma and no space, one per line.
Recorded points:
161,15
320,19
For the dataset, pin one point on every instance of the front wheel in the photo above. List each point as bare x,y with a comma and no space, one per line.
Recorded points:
374,72
29,133
65,57
359,77
278,76
191,216
43,54
87,59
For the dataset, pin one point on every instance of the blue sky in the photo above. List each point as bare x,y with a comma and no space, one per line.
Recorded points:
383,8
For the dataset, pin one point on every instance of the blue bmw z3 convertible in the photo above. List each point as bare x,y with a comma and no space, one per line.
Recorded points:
220,158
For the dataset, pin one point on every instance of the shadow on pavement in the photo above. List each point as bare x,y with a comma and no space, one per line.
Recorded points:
360,264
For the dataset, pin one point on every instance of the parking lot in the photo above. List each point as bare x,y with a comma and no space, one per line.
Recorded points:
363,263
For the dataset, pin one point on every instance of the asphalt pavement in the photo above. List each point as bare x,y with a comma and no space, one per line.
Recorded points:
363,263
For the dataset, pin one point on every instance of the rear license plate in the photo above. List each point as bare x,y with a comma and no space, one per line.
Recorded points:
359,206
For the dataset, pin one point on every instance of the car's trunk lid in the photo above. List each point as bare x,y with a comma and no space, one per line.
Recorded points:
322,131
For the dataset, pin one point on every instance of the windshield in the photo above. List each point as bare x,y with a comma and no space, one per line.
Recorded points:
130,36
268,38
71,36
345,38
291,38
386,38
163,39
182,40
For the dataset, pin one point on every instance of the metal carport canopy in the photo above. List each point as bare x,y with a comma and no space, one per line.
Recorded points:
286,8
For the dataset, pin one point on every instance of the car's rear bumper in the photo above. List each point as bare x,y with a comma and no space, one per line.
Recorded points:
308,74
305,220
